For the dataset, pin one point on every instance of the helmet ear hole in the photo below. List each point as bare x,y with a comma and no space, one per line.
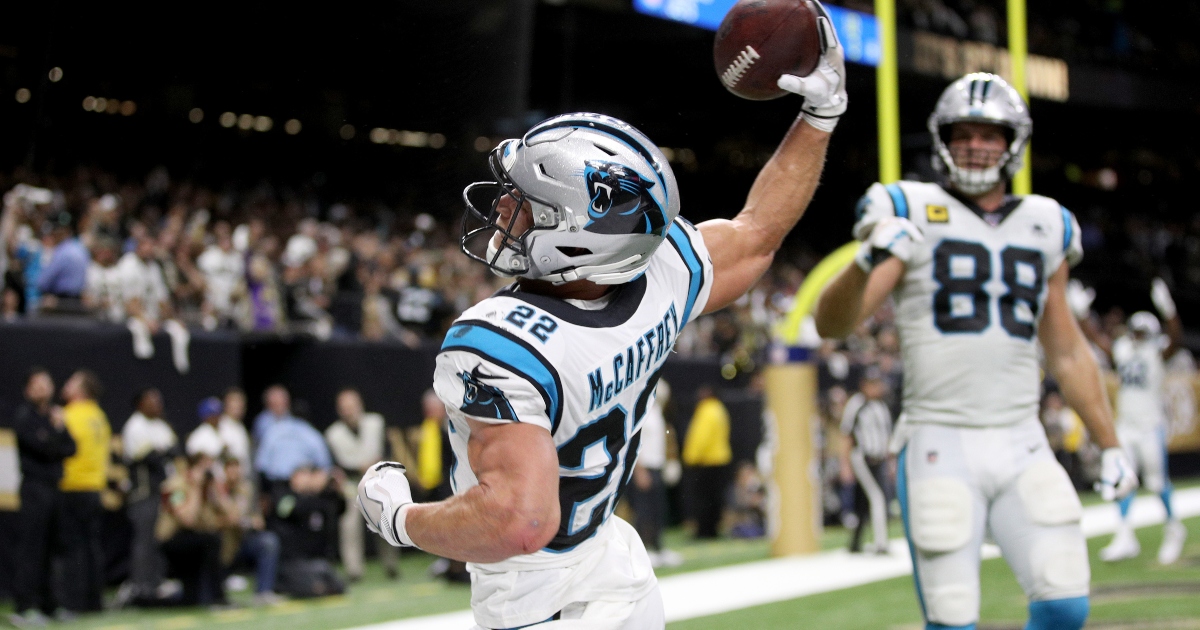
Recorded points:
573,252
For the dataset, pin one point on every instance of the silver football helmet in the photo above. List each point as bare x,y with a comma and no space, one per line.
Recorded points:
601,197
984,98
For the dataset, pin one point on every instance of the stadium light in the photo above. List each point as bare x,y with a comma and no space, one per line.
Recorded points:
437,140
56,74
228,120
128,108
196,115
263,123
23,95
89,103
292,127
346,132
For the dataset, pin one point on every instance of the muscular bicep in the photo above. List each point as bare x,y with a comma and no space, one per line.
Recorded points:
517,464
738,262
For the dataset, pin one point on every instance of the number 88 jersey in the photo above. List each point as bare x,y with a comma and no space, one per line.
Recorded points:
969,304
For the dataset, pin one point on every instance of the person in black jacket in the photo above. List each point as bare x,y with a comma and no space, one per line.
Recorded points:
43,442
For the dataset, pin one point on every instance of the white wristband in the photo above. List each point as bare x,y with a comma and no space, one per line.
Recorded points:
817,122
400,526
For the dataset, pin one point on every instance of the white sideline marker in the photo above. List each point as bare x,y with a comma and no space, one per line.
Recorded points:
715,591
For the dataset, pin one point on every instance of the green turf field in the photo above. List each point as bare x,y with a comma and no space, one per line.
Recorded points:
1133,592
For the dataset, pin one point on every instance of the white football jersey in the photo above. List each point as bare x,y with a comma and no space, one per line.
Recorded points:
1142,371
969,304
586,376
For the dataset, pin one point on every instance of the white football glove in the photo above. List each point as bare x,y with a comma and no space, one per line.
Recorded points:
384,497
824,90
1161,296
1117,476
892,236
1080,298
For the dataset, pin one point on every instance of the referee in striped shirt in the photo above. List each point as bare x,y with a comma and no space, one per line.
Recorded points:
867,425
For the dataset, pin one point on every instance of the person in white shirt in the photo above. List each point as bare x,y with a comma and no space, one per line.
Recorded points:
224,270
356,441
148,445
102,292
147,304
232,428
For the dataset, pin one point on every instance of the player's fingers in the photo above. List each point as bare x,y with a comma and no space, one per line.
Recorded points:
793,84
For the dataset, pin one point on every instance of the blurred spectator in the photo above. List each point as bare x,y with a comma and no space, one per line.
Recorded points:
23,206
747,503
304,516
143,288
289,445
706,457
431,475
277,403
64,277
104,292
85,475
43,443
648,493
224,272
194,511
206,437
867,426
232,428
432,447
356,441
246,541
148,303
149,444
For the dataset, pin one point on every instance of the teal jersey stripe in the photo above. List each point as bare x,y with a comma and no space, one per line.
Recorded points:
512,353
898,200
683,244
1068,231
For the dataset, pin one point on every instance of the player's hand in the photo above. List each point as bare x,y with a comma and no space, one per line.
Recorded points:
1117,476
824,90
1080,298
1161,296
382,491
892,236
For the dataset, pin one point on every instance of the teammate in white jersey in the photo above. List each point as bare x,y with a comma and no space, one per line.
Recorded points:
546,382
979,279
1139,357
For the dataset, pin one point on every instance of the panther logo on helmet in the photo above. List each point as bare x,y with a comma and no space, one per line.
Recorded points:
620,201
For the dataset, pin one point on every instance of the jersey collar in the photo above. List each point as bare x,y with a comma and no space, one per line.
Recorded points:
993,218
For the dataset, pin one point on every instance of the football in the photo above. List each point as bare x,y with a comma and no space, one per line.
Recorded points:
761,39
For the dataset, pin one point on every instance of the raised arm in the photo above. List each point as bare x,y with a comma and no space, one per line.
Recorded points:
742,248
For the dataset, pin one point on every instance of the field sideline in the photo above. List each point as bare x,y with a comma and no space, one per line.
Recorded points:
1135,592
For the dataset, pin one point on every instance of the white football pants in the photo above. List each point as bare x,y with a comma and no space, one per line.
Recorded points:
957,485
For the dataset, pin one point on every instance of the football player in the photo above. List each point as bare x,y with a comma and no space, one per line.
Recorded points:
547,381
979,279
1139,357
